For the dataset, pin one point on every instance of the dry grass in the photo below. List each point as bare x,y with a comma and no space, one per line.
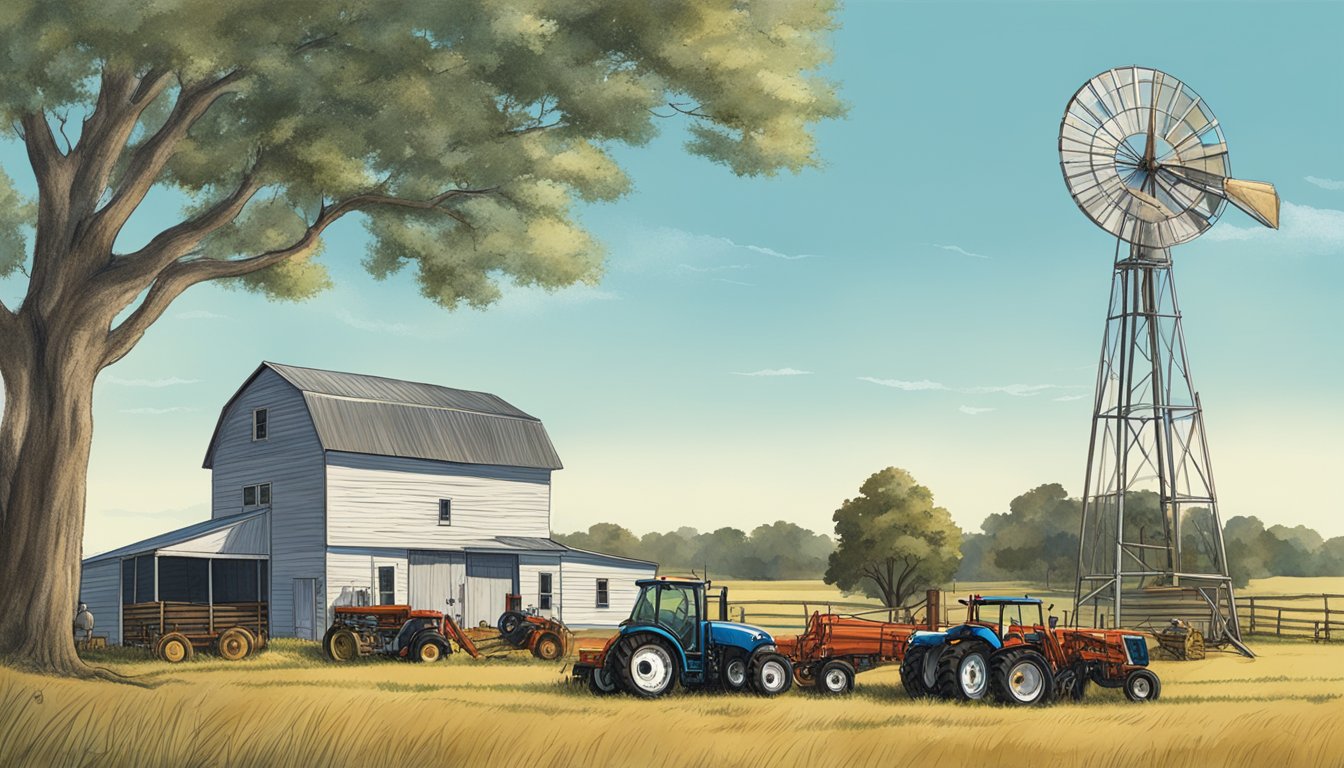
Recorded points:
289,707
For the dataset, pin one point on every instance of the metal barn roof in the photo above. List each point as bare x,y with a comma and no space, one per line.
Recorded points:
242,534
355,413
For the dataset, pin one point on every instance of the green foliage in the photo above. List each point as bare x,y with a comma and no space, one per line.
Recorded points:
893,541
777,551
16,212
1038,537
510,107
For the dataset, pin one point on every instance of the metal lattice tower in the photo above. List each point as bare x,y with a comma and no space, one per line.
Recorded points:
1146,160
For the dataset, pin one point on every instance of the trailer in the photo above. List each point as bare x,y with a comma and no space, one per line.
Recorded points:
175,631
834,649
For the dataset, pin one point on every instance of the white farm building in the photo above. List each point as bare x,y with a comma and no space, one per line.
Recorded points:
334,488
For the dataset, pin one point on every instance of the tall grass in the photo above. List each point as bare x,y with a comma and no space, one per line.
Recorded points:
288,707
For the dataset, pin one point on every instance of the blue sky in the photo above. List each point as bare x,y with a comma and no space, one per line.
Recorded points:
930,299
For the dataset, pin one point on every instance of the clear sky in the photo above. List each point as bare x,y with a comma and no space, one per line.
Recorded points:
930,299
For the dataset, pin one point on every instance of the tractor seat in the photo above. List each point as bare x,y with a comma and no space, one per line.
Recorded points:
1012,636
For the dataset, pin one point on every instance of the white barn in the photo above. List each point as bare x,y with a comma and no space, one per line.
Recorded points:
334,488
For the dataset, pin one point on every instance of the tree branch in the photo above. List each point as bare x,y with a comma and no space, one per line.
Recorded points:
38,139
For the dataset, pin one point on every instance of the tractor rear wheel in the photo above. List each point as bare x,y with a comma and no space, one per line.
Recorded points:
1021,677
342,645
919,670
521,634
509,621
548,647
647,665
836,678
734,674
234,643
428,648
1142,685
963,671
174,648
771,673
602,682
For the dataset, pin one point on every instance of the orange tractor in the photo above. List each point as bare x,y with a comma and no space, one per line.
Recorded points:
1008,650
393,630
833,649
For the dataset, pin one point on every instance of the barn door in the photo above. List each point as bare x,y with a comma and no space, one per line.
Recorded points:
305,608
490,579
436,578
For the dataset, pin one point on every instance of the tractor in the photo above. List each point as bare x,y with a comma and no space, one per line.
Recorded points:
546,638
392,630
1007,650
669,639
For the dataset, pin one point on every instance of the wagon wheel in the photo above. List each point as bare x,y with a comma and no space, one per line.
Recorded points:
174,648
804,675
548,647
234,643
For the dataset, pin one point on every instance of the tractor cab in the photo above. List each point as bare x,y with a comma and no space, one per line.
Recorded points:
1007,616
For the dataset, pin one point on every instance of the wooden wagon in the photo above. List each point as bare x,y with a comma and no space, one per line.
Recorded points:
176,631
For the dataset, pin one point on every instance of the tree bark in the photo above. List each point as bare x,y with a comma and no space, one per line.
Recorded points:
44,458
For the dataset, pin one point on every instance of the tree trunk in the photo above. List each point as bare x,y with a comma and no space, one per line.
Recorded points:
44,460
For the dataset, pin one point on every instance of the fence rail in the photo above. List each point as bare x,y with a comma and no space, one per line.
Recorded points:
1292,616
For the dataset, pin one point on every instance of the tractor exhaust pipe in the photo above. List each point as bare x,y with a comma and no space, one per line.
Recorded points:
723,603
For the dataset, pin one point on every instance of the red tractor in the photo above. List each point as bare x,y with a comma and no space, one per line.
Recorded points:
833,649
546,638
1006,648
393,630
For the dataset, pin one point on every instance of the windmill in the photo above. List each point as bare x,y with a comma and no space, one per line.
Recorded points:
1145,160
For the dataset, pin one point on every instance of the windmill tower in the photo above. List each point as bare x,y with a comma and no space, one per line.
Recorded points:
1145,160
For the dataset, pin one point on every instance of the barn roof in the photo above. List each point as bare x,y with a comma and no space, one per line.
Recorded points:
241,534
357,413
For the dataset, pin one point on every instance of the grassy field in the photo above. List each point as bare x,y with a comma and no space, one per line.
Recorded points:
289,707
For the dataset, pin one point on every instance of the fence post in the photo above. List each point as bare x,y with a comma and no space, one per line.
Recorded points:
1326,599
1278,624
1252,615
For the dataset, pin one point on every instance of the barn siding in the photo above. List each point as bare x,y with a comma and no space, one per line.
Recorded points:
581,570
291,460
394,502
529,565
100,589
356,568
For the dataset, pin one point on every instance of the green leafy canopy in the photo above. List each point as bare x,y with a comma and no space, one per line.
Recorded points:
465,131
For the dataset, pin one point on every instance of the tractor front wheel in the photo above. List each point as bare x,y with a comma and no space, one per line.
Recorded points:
771,673
1142,685
734,675
429,648
919,671
963,671
1021,677
341,645
602,682
548,647
836,678
174,648
647,665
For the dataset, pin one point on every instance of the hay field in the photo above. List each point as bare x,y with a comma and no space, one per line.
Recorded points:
288,707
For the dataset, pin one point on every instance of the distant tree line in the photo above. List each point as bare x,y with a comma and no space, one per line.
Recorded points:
777,551
892,542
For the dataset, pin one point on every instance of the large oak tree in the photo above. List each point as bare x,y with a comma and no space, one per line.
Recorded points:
462,131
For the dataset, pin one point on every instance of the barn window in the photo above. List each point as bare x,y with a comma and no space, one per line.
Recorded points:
236,581
259,424
544,591
387,580
184,580
602,597
445,511
257,495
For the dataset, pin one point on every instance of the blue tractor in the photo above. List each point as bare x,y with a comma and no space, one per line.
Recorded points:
669,638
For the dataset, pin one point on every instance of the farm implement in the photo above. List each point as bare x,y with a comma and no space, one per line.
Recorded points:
834,649
1008,651
668,640
418,635
175,631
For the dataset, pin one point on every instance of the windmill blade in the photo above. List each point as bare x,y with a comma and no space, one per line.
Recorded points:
1258,199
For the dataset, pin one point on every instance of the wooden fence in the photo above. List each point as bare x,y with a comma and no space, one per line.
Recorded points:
1293,616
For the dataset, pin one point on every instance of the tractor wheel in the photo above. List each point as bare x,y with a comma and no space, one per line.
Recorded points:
836,678
234,643
1021,677
548,647
602,682
521,634
1074,686
509,621
804,675
429,648
963,671
734,674
341,645
919,671
1142,685
647,665
174,648
771,673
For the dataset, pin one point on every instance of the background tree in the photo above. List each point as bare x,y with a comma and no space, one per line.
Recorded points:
463,133
1038,537
892,540
788,551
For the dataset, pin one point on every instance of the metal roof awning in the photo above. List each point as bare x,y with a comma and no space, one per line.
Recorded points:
502,544
242,535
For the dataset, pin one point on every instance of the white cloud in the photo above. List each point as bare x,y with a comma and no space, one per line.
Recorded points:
718,268
959,249
151,383
199,314
906,386
1016,390
159,411
734,282
1331,184
774,372
376,326
970,410
1303,231
772,252
530,299
1069,398
676,251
